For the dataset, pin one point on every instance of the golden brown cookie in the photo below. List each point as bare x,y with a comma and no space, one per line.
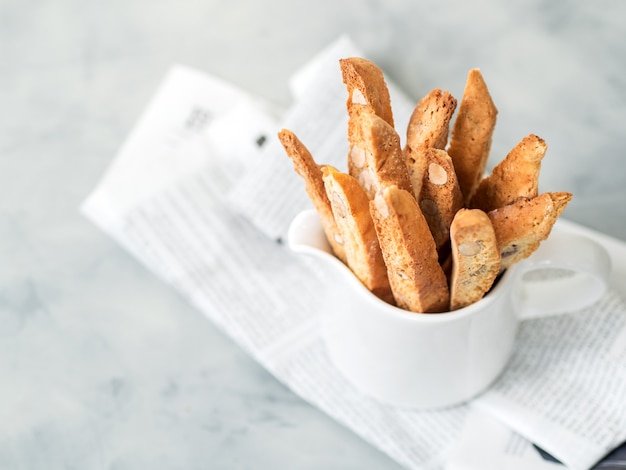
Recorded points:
429,124
350,207
440,197
417,280
376,158
416,163
520,227
475,257
472,133
515,177
367,89
311,173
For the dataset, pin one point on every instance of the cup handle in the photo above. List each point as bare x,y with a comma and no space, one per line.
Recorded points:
567,273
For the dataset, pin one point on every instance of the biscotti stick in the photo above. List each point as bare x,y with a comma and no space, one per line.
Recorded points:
375,158
367,90
472,133
350,207
520,227
475,257
311,173
515,177
428,128
430,121
416,163
440,197
417,280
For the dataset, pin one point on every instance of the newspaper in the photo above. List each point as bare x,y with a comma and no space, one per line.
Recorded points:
201,194
482,433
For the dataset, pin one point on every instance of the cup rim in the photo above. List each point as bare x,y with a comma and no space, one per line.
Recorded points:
502,282
384,308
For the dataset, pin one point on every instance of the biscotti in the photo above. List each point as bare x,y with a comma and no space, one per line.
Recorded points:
516,177
520,227
367,89
475,257
350,208
311,173
472,133
417,280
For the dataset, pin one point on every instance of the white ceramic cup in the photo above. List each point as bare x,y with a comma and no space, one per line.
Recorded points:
435,360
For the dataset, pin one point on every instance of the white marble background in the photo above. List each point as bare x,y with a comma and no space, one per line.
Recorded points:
104,367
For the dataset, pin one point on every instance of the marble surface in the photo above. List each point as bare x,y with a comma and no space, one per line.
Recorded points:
104,367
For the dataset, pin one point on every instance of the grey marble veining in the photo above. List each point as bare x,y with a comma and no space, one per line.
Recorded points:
104,367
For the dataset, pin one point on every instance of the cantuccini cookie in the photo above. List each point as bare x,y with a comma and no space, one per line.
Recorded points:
440,197
520,227
367,89
515,177
472,133
375,158
475,257
311,173
429,123
350,207
417,280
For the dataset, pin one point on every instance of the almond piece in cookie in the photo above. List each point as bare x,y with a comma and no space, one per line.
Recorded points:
472,133
367,89
429,124
376,158
428,128
475,257
515,177
311,173
520,227
417,280
350,207
440,197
